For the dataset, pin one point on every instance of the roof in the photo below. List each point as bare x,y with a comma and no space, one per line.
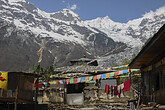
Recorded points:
84,66
78,68
28,74
83,59
153,51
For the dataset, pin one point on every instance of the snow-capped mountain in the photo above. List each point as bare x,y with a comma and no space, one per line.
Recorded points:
134,33
66,36
23,27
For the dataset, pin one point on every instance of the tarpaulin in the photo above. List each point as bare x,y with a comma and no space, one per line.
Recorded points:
3,80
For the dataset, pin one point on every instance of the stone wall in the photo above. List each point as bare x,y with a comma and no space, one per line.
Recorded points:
95,94
53,95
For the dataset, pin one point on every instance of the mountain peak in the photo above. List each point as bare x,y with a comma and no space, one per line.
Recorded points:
67,11
151,14
13,1
106,17
66,15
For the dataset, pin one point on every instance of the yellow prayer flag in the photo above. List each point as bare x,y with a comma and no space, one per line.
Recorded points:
3,80
39,52
40,59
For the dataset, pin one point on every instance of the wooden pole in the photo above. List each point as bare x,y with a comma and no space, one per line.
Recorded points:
36,96
65,93
16,94
130,76
16,97
8,106
143,86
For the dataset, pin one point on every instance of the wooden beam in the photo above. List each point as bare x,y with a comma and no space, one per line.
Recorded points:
65,94
16,97
36,96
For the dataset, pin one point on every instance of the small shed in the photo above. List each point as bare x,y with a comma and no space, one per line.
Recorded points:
151,61
17,87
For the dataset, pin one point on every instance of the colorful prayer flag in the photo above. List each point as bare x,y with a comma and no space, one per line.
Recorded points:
40,58
57,82
75,80
54,82
86,79
71,81
94,77
50,82
127,85
67,81
61,81
107,75
112,74
39,52
90,78
38,85
116,74
83,79
99,76
78,80
125,71
120,72
103,76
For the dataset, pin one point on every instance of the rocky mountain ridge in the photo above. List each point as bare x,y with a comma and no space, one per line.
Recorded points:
23,27
65,34
134,33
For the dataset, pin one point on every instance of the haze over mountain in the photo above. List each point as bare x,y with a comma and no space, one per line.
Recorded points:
23,27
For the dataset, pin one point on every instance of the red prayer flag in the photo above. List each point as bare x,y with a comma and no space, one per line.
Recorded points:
75,80
107,89
38,85
57,82
127,85
116,74
94,77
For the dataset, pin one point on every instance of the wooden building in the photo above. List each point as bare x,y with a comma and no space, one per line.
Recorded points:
151,61
19,88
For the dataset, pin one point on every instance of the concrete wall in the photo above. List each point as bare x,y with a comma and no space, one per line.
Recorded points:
75,99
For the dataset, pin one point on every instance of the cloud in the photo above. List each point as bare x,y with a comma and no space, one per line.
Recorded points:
63,1
73,7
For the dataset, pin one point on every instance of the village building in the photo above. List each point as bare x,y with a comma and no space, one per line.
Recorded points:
76,93
17,88
151,61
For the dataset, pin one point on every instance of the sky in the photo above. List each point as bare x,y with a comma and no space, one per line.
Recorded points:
118,10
